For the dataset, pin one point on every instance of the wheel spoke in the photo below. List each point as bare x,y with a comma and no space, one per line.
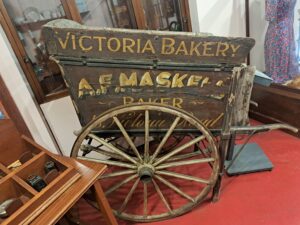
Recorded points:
179,149
204,153
164,140
145,199
182,176
183,156
185,162
113,148
109,162
146,147
174,188
118,185
129,195
107,153
162,196
127,138
118,173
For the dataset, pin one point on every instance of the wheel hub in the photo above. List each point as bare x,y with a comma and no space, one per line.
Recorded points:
146,172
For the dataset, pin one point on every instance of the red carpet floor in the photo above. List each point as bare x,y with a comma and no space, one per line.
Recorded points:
265,198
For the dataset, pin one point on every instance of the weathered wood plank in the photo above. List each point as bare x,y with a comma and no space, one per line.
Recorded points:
68,38
97,89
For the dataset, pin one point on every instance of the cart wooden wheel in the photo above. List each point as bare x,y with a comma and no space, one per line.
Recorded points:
149,185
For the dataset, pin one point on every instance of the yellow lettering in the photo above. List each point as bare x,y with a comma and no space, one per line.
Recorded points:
220,83
127,100
164,101
205,81
194,48
136,121
125,81
234,49
194,80
162,79
206,122
105,81
217,120
146,80
181,48
148,47
138,45
84,88
177,102
207,48
84,48
167,48
100,39
222,48
128,44
113,47
177,80
63,44
73,42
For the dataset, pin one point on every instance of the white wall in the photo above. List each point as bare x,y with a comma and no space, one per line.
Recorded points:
63,120
258,28
14,79
193,6
219,17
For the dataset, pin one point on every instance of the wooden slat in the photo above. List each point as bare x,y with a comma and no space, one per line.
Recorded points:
145,45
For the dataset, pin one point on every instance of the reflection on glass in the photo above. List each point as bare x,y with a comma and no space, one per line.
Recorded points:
275,25
280,50
107,13
162,15
28,16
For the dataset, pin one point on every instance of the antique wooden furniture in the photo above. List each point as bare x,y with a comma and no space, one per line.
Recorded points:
90,173
13,184
276,103
159,108
22,22
51,203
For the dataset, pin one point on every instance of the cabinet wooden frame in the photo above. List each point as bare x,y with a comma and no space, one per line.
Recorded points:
20,52
71,12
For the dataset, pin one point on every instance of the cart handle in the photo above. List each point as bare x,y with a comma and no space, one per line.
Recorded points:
262,128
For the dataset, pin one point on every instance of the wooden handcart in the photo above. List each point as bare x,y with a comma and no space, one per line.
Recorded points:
160,108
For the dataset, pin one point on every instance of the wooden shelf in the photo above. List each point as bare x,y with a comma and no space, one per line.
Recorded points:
14,185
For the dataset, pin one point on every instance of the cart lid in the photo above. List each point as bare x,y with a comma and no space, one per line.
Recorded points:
65,38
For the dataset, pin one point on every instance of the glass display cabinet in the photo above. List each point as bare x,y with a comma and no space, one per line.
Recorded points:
22,21
27,18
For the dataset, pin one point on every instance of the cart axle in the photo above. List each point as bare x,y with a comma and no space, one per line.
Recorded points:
146,172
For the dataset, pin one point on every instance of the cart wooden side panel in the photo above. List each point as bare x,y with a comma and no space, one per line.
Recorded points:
104,68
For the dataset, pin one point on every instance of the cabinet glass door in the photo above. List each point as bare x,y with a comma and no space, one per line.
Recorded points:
163,15
107,13
27,17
